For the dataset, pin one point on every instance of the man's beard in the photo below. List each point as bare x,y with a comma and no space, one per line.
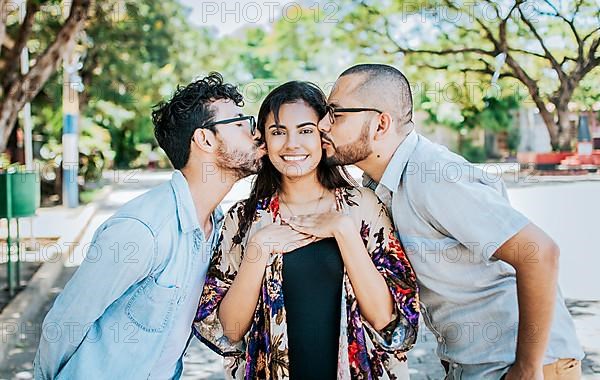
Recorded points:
240,163
353,152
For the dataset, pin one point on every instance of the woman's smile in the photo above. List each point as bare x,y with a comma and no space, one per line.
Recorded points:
295,157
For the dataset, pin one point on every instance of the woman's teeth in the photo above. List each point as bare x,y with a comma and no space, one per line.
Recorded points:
295,158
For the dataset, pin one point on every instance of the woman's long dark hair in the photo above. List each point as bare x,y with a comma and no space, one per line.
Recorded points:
268,180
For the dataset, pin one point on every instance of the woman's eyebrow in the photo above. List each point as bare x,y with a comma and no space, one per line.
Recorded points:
306,123
297,126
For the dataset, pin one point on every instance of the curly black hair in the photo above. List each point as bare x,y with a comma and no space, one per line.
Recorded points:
190,108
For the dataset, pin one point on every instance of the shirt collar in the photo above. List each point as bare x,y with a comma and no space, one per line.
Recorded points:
186,210
395,168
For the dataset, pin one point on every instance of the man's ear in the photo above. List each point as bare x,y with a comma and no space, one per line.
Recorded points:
205,140
383,126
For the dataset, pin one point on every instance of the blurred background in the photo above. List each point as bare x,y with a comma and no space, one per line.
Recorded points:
510,85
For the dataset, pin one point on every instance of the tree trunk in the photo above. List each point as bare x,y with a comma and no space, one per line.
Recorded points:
25,88
548,118
564,128
3,15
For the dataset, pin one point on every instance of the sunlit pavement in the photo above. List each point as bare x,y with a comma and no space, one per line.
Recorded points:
567,212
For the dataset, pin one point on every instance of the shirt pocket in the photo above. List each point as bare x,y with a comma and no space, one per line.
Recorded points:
151,305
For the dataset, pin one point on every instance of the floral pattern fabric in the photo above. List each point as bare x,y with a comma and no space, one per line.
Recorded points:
364,353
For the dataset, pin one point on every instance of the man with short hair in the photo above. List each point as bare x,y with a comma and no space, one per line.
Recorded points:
487,275
128,310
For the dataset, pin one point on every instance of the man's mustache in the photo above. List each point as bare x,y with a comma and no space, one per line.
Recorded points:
328,140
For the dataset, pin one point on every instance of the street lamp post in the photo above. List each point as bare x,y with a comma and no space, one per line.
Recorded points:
72,85
26,111
70,136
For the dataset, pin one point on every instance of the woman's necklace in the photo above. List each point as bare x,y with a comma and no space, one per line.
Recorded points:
293,214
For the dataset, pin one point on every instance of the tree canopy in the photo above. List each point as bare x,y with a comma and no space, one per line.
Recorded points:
469,63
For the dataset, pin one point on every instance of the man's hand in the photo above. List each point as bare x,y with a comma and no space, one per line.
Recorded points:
524,372
534,255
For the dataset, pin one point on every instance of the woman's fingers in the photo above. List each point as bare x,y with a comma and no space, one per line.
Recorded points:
301,229
299,244
302,219
285,237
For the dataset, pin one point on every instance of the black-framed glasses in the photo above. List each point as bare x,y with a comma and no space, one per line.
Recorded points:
250,119
331,111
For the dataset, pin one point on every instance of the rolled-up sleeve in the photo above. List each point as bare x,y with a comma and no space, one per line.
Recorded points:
471,210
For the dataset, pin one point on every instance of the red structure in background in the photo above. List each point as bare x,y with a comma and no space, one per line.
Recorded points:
586,159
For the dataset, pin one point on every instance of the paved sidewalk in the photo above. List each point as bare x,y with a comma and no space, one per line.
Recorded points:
19,363
56,229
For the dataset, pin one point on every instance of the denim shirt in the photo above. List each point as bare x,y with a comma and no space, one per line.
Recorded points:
115,314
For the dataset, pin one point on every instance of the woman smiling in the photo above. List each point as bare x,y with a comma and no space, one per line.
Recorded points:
309,281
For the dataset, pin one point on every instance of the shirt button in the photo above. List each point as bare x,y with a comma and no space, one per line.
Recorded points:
440,339
454,365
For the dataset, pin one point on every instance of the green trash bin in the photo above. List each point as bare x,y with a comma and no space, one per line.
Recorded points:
19,197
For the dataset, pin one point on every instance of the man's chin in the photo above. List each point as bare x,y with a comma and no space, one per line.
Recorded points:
258,165
245,170
250,169
328,151
332,160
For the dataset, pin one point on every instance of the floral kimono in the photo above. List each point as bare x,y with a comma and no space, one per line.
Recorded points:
364,353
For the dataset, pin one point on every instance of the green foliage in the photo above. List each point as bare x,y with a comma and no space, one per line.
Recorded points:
472,153
496,114
136,53
513,139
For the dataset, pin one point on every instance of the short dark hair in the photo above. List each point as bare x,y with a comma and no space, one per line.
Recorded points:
396,86
188,109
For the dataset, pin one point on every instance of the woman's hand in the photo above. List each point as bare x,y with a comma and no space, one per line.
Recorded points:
237,308
372,292
325,225
279,238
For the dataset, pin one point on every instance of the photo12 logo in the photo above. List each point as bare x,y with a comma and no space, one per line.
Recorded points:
253,12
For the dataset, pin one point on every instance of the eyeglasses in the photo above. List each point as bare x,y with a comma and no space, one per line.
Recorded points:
331,111
251,120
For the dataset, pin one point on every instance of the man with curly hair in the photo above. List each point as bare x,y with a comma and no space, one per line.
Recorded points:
128,310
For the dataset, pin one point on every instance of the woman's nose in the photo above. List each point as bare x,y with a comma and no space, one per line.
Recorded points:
292,140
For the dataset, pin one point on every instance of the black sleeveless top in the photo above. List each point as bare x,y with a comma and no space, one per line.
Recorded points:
312,293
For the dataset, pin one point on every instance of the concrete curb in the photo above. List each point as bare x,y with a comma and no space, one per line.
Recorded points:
531,181
22,308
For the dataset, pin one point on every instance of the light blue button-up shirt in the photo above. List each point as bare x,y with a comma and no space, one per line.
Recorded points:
115,315
451,218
